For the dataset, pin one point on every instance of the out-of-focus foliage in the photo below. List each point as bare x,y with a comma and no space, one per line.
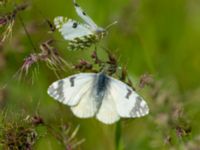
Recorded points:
160,38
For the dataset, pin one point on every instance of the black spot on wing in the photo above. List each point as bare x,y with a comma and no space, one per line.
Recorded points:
77,5
75,25
72,81
129,92
84,13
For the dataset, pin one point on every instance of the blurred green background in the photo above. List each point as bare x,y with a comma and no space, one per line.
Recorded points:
156,37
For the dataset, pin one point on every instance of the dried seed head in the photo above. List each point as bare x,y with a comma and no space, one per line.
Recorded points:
112,59
180,132
48,54
3,21
83,66
37,120
9,20
51,25
124,74
21,7
17,136
168,140
96,58
146,79
28,62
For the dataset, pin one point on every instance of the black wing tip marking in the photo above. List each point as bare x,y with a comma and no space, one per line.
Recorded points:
56,90
139,109
51,90
77,5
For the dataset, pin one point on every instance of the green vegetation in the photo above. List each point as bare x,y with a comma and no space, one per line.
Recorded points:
159,38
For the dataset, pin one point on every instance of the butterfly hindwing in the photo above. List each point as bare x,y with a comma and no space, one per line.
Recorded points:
71,29
78,35
88,106
83,42
107,113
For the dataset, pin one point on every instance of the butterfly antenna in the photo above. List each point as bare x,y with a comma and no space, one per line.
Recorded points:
110,25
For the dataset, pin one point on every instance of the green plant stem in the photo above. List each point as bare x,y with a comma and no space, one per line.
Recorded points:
118,139
27,33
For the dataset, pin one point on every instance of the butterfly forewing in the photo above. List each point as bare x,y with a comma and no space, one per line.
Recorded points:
69,90
84,16
128,102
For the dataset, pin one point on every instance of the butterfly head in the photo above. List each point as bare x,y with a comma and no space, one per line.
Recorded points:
100,32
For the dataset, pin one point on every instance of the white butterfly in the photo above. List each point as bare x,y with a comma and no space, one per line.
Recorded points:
79,35
96,94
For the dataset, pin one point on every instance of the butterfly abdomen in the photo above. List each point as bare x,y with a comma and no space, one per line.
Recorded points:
101,84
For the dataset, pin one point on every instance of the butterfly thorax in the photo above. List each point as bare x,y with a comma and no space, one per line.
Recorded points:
100,32
101,84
